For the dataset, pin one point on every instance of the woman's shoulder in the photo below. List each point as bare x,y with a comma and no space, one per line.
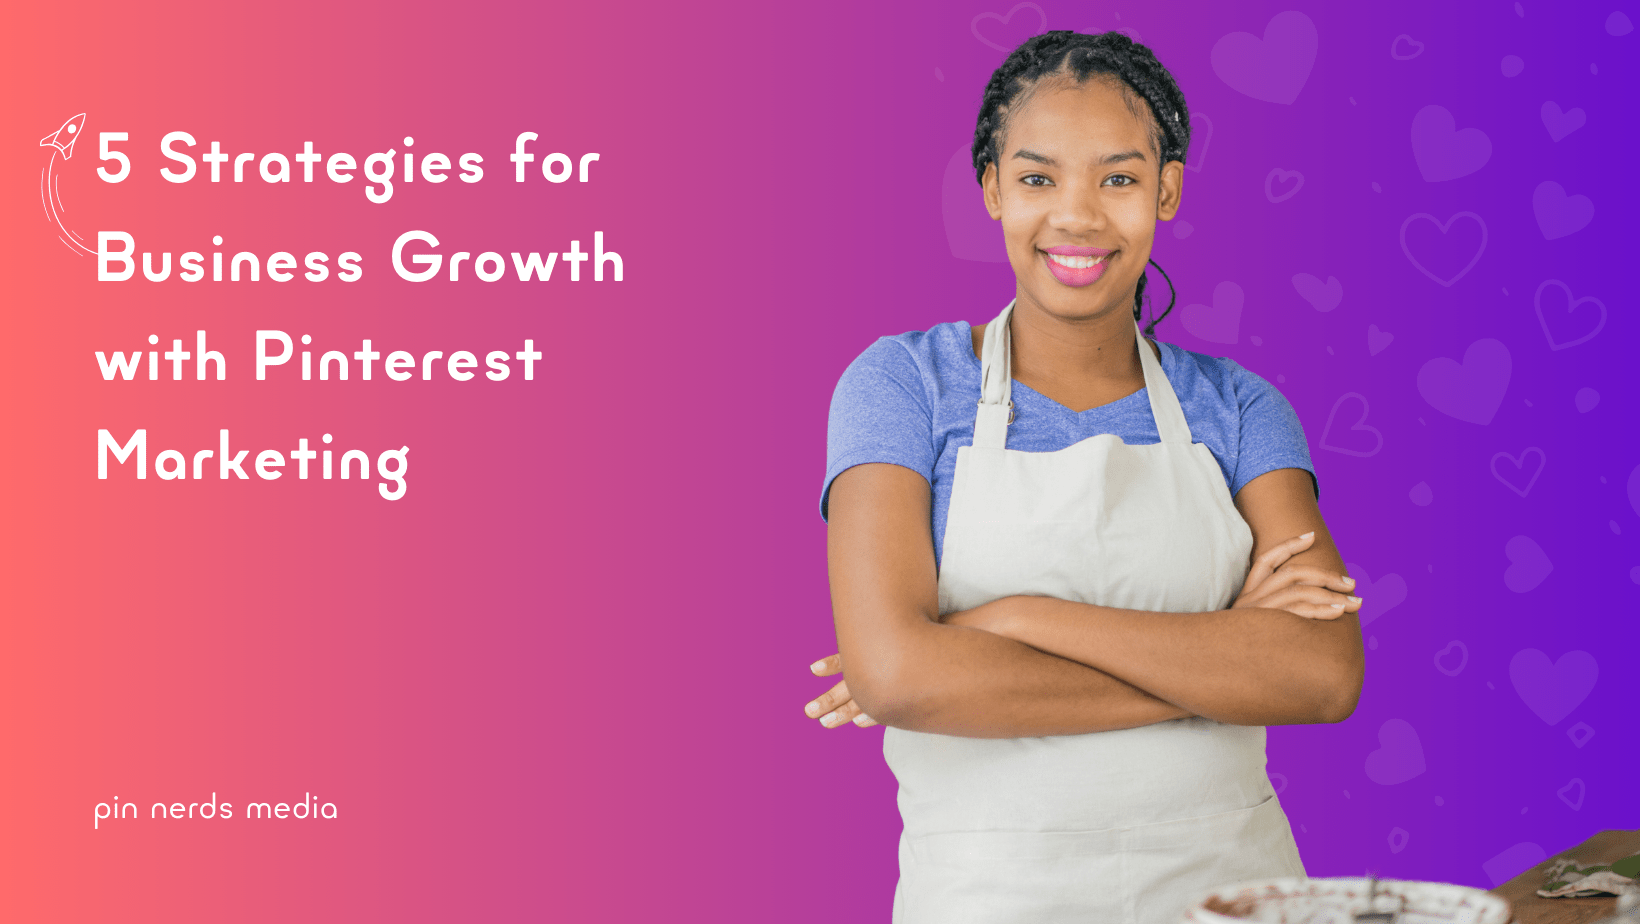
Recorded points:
1201,375
1259,421
936,344
933,355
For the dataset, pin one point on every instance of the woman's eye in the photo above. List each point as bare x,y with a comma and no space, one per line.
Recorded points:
1036,179
1119,180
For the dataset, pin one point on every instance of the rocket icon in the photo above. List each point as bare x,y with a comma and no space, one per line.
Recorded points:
63,138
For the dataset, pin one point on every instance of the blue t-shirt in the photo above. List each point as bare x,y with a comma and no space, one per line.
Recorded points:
910,400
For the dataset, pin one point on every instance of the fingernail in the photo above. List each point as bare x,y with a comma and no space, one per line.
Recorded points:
1355,599
829,719
1308,535
1349,581
817,666
811,710
1338,606
862,719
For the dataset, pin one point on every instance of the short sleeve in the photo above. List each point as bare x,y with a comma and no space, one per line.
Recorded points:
1271,436
880,412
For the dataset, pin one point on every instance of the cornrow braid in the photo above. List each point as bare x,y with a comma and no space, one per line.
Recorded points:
1075,55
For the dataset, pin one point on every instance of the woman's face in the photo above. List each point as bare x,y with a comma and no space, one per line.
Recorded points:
1078,191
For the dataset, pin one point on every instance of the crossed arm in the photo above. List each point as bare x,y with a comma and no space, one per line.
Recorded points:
1287,652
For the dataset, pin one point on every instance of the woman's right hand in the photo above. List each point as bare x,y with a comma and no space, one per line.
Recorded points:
1303,590
835,707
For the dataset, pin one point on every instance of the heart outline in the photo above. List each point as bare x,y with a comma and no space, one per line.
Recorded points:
1571,305
1580,733
1201,157
1042,19
1582,790
1365,410
1520,463
1462,649
1398,846
1410,40
1448,283
1269,178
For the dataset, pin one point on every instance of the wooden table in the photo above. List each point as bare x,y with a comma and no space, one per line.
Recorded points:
1521,891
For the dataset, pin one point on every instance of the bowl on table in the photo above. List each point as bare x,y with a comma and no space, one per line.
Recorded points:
1348,901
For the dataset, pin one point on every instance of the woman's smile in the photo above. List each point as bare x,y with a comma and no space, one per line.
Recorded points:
1075,266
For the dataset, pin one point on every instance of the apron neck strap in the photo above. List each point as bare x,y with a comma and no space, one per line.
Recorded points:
1164,404
996,406
996,384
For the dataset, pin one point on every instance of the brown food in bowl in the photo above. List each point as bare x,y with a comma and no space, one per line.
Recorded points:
1240,908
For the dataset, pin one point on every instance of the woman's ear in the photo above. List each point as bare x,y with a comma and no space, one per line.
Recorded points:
1167,201
993,191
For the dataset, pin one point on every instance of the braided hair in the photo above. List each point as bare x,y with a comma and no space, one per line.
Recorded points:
1072,55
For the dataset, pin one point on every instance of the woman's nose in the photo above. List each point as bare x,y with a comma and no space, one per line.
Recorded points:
1077,211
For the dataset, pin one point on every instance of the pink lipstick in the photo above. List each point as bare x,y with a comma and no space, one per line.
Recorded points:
1075,266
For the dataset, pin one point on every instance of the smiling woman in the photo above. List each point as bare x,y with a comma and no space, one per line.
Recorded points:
1075,571
1133,192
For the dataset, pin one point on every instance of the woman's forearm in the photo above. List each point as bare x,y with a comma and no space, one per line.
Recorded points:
904,667
955,680
1241,666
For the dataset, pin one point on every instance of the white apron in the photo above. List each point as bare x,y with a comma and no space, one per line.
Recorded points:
1117,826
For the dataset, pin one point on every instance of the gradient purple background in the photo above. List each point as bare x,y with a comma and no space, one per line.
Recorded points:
1493,768
564,676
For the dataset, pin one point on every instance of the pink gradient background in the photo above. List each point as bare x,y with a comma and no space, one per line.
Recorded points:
561,679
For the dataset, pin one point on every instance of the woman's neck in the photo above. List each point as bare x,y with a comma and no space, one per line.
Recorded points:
1081,363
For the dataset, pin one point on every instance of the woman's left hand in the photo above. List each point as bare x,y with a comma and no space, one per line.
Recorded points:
835,707
1275,583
